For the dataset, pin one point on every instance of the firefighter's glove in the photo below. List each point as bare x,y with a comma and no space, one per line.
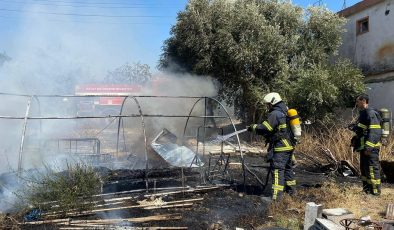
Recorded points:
252,127
353,141
352,127
367,151
293,161
270,156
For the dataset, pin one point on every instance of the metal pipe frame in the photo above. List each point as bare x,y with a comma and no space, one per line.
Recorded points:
59,95
21,146
103,117
208,174
232,123
120,116
143,130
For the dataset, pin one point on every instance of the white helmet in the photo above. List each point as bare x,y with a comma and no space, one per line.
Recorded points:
272,98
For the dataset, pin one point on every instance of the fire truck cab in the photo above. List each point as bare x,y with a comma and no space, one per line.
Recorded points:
104,101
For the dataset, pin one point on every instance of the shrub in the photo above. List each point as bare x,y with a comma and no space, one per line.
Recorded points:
72,189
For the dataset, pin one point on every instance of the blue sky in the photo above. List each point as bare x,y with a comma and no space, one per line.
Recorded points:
106,32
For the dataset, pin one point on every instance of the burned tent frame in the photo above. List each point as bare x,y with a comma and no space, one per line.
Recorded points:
120,123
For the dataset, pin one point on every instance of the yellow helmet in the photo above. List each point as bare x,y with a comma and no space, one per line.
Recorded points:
272,98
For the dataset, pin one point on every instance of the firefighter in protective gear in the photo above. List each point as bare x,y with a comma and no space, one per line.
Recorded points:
367,141
277,132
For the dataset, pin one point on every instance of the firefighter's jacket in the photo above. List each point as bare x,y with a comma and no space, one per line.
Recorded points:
368,130
276,130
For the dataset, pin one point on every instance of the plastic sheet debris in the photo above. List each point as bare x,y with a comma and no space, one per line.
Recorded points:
33,215
179,156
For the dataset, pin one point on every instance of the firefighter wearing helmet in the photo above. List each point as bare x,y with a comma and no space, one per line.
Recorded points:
278,135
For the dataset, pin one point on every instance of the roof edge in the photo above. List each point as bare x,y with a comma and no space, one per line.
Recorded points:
382,76
358,7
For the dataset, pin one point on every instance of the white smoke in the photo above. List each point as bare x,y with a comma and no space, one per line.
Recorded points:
52,58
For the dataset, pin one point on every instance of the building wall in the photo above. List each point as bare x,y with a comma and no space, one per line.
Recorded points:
372,51
381,94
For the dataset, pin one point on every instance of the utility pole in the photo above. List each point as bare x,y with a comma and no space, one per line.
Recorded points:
344,4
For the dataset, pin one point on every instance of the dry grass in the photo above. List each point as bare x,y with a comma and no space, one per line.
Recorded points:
331,195
8,222
60,192
337,140
387,151
331,145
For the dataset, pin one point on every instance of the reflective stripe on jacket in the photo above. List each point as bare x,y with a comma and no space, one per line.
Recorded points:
368,130
276,129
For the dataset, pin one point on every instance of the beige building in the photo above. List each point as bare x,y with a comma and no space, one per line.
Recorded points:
369,43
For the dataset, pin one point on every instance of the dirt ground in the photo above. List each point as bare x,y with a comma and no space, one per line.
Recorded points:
241,206
224,208
236,205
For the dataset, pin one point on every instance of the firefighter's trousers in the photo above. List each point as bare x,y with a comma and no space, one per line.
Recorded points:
283,177
370,171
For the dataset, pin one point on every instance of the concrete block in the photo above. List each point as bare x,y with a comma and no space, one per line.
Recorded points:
337,214
312,211
390,212
325,224
388,226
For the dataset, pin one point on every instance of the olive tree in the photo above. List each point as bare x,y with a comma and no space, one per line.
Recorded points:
252,47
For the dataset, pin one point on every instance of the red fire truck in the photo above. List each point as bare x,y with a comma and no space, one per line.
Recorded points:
103,105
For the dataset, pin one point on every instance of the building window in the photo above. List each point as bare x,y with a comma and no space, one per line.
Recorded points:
363,25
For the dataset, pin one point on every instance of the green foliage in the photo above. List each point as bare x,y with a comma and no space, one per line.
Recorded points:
72,189
349,81
253,47
318,90
135,73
